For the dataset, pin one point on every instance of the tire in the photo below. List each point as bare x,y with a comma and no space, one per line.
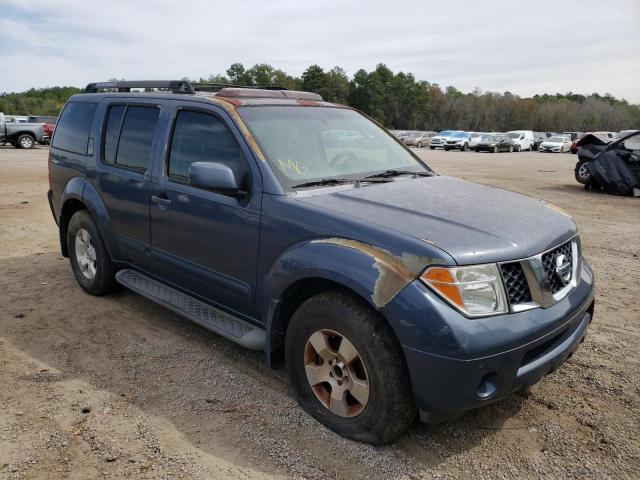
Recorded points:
581,173
562,149
90,260
518,147
331,318
477,150
419,145
510,148
25,141
464,147
446,149
432,148
495,149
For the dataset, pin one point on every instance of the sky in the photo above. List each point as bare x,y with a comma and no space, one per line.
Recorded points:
499,45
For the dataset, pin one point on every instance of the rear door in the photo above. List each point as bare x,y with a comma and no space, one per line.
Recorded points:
129,137
203,241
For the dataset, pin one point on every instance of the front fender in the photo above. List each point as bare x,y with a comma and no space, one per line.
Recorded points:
375,274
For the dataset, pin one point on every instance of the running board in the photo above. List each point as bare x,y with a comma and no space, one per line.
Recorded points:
223,323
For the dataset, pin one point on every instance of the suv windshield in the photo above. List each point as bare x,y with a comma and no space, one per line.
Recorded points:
459,135
303,144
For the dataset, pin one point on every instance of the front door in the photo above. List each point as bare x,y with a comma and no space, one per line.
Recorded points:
202,241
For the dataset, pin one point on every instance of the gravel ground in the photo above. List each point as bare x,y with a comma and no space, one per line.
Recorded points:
119,387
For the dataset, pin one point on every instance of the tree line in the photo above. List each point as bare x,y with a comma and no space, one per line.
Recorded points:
399,101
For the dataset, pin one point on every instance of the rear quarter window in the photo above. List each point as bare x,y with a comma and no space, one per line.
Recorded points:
74,124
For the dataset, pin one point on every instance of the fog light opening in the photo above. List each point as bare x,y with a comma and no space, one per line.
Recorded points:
488,385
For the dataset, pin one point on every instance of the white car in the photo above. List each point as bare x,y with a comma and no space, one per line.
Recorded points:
475,138
557,144
440,140
523,139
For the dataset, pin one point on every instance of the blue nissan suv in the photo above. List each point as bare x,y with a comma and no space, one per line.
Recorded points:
304,229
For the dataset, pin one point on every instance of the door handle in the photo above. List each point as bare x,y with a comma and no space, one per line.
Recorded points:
161,200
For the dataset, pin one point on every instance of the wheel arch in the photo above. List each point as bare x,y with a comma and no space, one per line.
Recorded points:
371,274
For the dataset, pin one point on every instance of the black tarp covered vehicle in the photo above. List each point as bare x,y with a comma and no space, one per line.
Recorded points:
613,166
592,146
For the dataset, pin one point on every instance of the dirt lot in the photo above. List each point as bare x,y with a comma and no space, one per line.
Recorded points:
119,387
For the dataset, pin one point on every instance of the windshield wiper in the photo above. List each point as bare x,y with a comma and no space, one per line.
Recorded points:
397,173
325,181
339,181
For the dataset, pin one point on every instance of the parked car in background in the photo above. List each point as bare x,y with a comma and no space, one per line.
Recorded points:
399,134
495,143
20,134
538,138
49,124
557,144
522,139
458,141
440,140
475,138
418,139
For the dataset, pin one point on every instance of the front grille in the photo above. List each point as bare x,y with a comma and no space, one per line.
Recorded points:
549,268
515,283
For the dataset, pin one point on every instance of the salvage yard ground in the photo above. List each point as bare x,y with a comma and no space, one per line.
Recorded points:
120,387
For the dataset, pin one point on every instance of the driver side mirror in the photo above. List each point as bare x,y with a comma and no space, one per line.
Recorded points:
216,177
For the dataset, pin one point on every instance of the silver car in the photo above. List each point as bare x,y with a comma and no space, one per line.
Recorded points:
418,139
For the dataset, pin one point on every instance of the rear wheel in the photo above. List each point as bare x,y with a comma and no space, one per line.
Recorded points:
495,149
419,145
88,255
347,369
582,173
25,141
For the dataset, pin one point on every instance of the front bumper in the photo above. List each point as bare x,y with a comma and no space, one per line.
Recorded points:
457,364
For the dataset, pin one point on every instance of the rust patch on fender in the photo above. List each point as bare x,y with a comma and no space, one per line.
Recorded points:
394,271
229,106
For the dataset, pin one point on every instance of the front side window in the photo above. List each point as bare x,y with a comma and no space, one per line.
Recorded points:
201,137
305,144
72,131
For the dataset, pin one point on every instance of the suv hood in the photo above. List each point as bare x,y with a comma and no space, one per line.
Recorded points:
471,222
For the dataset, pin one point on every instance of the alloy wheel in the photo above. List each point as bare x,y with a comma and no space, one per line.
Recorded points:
26,142
336,373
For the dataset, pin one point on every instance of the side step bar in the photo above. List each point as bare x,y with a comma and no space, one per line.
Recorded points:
223,323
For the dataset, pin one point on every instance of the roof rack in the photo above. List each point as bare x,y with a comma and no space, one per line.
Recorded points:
216,87
176,86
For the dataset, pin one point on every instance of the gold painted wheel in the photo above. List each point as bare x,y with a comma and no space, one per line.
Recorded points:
336,373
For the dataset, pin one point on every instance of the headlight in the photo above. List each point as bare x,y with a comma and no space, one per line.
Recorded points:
476,291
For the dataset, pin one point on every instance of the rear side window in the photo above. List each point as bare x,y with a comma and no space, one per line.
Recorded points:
200,137
72,130
129,135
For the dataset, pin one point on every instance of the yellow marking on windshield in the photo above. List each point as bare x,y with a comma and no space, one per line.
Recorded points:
289,165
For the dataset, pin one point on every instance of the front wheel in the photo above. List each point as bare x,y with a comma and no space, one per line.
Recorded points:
347,370
495,149
510,148
432,148
90,261
582,173
463,148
